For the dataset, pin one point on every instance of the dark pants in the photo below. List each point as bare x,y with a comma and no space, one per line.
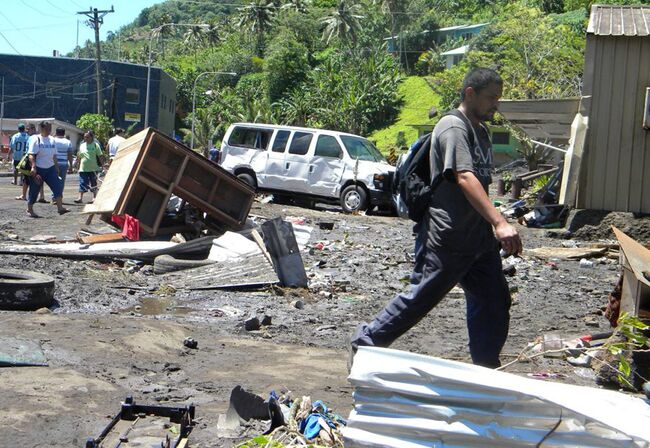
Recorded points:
51,177
435,273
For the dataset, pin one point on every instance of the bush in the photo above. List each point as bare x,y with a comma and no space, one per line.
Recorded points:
101,126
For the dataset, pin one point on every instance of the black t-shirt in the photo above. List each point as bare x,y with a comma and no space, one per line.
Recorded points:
454,224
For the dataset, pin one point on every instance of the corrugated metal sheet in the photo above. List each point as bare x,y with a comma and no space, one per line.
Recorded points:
616,161
407,400
608,20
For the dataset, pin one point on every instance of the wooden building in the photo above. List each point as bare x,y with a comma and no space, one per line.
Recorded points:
615,171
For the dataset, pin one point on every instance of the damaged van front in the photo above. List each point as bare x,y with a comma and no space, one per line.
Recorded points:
313,164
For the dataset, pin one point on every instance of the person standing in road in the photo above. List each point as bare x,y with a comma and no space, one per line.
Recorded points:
63,154
89,161
17,149
42,156
114,142
461,234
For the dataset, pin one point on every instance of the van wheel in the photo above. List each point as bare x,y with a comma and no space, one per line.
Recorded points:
354,198
247,178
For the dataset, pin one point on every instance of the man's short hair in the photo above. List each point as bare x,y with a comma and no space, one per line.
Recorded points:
44,124
60,132
478,79
21,127
118,131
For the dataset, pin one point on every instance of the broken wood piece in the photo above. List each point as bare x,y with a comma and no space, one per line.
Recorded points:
102,238
567,253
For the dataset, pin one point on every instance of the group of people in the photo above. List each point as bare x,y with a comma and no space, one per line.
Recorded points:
51,158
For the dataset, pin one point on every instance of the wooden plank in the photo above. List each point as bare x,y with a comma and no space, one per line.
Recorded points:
198,202
103,238
567,106
573,161
137,167
151,184
117,177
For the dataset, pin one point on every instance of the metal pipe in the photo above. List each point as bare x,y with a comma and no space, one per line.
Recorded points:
546,145
194,100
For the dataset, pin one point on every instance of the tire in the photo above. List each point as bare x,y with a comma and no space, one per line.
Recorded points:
166,263
25,290
354,198
247,178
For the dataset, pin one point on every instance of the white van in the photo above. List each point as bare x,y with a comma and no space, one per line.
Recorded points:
315,164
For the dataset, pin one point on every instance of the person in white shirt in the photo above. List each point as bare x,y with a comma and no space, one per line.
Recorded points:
43,158
114,142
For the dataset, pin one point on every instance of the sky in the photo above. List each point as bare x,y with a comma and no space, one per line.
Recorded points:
37,27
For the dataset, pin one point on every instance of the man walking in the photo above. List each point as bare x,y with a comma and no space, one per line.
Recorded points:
17,149
114,142
63,155
459,238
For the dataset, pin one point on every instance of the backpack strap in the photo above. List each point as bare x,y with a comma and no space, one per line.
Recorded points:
470,129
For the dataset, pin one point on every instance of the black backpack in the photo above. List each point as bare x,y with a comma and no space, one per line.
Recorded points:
413,175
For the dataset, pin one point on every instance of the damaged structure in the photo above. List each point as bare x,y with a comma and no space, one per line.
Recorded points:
616,98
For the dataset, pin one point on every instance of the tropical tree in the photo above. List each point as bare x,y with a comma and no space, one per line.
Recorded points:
205,131
257,17
162,32
212,34
343,22
297,5
193,37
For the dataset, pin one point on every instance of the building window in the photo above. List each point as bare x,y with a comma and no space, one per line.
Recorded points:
467,36
53,90
501,138
133,96
80,91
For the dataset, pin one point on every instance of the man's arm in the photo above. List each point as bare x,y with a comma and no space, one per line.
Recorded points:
475,194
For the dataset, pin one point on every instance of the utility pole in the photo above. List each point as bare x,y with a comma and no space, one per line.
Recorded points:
95,20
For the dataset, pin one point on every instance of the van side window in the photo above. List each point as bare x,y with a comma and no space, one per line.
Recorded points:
327,146
250,138
300,143
280,142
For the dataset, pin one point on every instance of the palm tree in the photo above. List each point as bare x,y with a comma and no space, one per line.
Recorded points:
297,5
205,130
343,22
161,31
212,34
193,37
257,17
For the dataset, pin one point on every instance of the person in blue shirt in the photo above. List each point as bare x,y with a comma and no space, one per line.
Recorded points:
63,154
214,154
17,149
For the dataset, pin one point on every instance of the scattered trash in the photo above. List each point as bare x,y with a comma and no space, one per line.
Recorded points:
142,425
310,421
546,375
252,324
568,253
190,343
584,263
326,225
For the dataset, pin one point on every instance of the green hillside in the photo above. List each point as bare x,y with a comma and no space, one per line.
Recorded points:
418,98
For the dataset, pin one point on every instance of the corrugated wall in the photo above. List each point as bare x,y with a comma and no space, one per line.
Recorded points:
616,172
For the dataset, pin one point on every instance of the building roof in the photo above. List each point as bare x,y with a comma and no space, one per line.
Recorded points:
455,51
606,20
463,27
548,120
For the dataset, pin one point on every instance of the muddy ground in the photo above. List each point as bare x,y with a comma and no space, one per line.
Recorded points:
103,341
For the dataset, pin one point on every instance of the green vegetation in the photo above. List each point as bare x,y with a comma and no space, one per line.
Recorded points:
326,63
99,124
417,99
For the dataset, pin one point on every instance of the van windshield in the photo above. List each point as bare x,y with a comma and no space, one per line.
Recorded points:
362,149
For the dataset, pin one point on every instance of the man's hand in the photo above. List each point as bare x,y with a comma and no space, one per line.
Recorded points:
508,237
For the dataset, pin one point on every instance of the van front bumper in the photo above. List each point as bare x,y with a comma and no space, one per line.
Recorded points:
381,198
